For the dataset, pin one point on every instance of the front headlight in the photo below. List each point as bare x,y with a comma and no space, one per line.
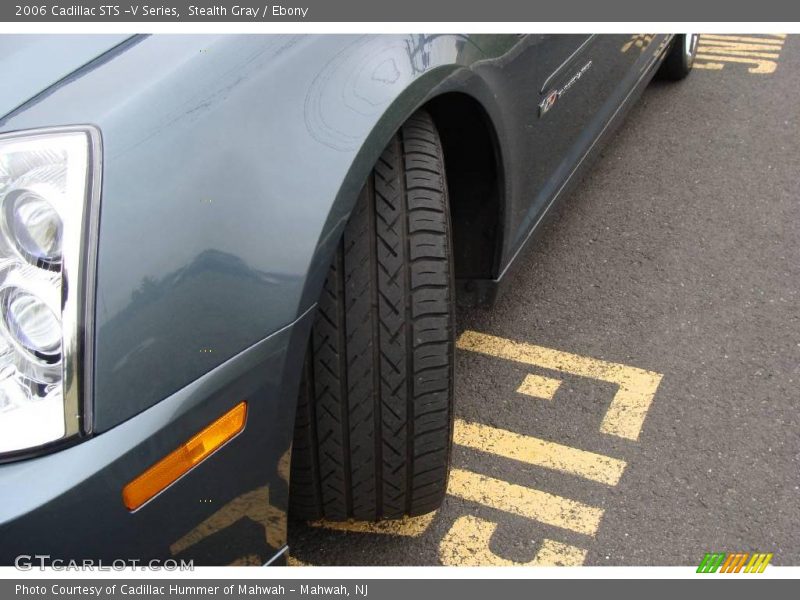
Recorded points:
48,180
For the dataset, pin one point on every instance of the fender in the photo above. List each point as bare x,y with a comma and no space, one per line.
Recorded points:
230,166
428,85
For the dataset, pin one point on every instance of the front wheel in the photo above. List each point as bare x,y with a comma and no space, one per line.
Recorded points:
375,411
680,57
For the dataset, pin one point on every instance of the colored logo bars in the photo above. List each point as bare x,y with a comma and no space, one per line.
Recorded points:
734,562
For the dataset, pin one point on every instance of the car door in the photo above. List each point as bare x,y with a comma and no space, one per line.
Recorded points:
558,93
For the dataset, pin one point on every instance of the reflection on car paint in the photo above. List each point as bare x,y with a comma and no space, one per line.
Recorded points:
250,527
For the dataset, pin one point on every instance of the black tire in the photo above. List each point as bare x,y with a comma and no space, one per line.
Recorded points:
374,420
680,57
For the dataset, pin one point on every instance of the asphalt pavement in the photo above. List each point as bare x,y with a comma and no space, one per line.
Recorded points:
633,397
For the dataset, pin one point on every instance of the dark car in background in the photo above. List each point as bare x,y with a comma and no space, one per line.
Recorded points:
229,267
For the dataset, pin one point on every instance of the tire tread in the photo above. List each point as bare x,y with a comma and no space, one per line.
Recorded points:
374,424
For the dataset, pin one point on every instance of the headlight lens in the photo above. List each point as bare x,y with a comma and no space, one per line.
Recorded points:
32,324
35,225
45,188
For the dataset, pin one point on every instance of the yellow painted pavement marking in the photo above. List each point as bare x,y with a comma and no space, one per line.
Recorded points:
538,452
625,415
558,554
736,52
407,526
760,66
467,544
708,37
525,502
539,387
291,561
709,65
760,52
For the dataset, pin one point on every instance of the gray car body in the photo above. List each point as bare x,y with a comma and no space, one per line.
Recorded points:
230,166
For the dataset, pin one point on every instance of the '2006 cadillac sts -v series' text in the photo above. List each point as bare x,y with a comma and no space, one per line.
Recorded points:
229,267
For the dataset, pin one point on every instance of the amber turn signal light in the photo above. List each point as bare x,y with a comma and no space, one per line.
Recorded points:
182,460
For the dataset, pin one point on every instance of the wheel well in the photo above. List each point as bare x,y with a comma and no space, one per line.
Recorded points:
474,181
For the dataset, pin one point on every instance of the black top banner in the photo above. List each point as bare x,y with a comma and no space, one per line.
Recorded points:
255,11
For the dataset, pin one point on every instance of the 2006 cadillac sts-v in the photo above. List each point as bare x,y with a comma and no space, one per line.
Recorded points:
229,267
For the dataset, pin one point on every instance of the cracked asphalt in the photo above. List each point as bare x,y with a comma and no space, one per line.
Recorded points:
679,253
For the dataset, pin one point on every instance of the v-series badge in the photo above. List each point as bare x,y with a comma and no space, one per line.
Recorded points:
553,95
